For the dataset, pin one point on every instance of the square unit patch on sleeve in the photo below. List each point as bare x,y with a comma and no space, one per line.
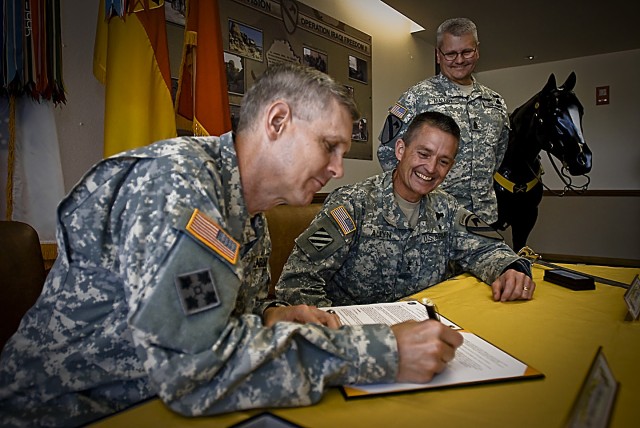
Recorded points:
197,291
344,220
213,236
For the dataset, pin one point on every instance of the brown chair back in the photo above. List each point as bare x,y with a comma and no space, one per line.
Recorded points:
286,223
22,274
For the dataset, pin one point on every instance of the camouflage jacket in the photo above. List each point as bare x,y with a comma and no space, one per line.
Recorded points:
484,128
360,249
159,268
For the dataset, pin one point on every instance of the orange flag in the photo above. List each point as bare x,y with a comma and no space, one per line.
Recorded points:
202,101
131,58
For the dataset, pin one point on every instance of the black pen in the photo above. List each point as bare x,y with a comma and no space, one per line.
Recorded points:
431,309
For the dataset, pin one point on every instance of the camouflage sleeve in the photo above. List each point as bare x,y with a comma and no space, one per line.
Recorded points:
479,248
263,277
503,142
200,357
319,252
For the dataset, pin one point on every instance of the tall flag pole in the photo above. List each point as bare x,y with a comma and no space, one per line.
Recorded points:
202,100
131,58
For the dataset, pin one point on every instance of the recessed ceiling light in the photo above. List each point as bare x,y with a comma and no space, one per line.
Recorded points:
530,57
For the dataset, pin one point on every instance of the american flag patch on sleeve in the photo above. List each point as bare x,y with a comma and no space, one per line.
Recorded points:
398,110
213,236
344,220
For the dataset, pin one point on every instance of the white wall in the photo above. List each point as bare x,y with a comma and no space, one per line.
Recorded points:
595,226
81,120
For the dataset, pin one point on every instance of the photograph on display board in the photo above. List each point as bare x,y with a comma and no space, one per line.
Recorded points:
235,73
360,131
314,58
234,109
358,69
258,33
245,41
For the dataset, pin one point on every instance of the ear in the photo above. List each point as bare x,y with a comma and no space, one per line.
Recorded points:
551,84
278,115
570,83
399,148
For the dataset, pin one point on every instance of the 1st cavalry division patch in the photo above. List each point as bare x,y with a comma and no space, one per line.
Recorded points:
213,236
344,220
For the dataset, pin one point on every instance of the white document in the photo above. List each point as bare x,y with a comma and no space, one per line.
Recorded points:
476,360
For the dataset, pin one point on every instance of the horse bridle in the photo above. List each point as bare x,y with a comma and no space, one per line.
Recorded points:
564,177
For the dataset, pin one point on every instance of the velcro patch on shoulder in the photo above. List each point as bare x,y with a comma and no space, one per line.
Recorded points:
213,236
197,291
477,226
322,238
343,219
399,111
391,129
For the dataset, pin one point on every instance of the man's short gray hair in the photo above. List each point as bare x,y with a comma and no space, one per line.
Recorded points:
457,27
307,91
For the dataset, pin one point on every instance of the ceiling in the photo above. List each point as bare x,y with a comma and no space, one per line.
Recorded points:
551,30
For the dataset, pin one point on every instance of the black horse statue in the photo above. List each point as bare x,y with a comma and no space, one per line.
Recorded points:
551,121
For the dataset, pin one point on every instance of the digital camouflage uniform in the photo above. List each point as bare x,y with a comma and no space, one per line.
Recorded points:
360,249
484,135
150,297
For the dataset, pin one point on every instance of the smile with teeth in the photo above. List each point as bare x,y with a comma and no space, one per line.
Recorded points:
423,177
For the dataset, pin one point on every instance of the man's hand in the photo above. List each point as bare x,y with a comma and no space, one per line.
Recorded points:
302,314
424,349
513,285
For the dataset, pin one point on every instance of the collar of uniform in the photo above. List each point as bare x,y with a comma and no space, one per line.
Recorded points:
390,209
452,89
234,208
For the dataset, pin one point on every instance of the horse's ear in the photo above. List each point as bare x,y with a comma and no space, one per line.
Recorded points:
551,84
570,83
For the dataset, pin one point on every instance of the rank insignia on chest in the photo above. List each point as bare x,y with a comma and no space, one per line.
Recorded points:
213,236
197,291
344,220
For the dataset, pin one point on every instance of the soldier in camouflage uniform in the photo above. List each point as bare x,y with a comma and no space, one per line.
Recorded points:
162,269
393,234
480,112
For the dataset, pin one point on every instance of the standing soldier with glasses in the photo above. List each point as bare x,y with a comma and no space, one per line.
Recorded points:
480,113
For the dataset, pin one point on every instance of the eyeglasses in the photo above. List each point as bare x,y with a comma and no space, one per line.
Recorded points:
466,54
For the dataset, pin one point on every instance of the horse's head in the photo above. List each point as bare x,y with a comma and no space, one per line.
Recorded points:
559,129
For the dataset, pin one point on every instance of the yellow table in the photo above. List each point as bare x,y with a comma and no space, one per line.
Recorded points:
558,333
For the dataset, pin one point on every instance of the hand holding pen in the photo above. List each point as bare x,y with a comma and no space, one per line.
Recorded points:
431,309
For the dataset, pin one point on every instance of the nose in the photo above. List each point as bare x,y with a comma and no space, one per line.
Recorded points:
430,164
336,167
459,59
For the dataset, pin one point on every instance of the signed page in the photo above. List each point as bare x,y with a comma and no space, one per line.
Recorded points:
476,360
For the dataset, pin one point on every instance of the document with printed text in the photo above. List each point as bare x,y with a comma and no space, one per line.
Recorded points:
476,361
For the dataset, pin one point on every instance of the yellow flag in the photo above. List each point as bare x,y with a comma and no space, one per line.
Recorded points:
131,58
